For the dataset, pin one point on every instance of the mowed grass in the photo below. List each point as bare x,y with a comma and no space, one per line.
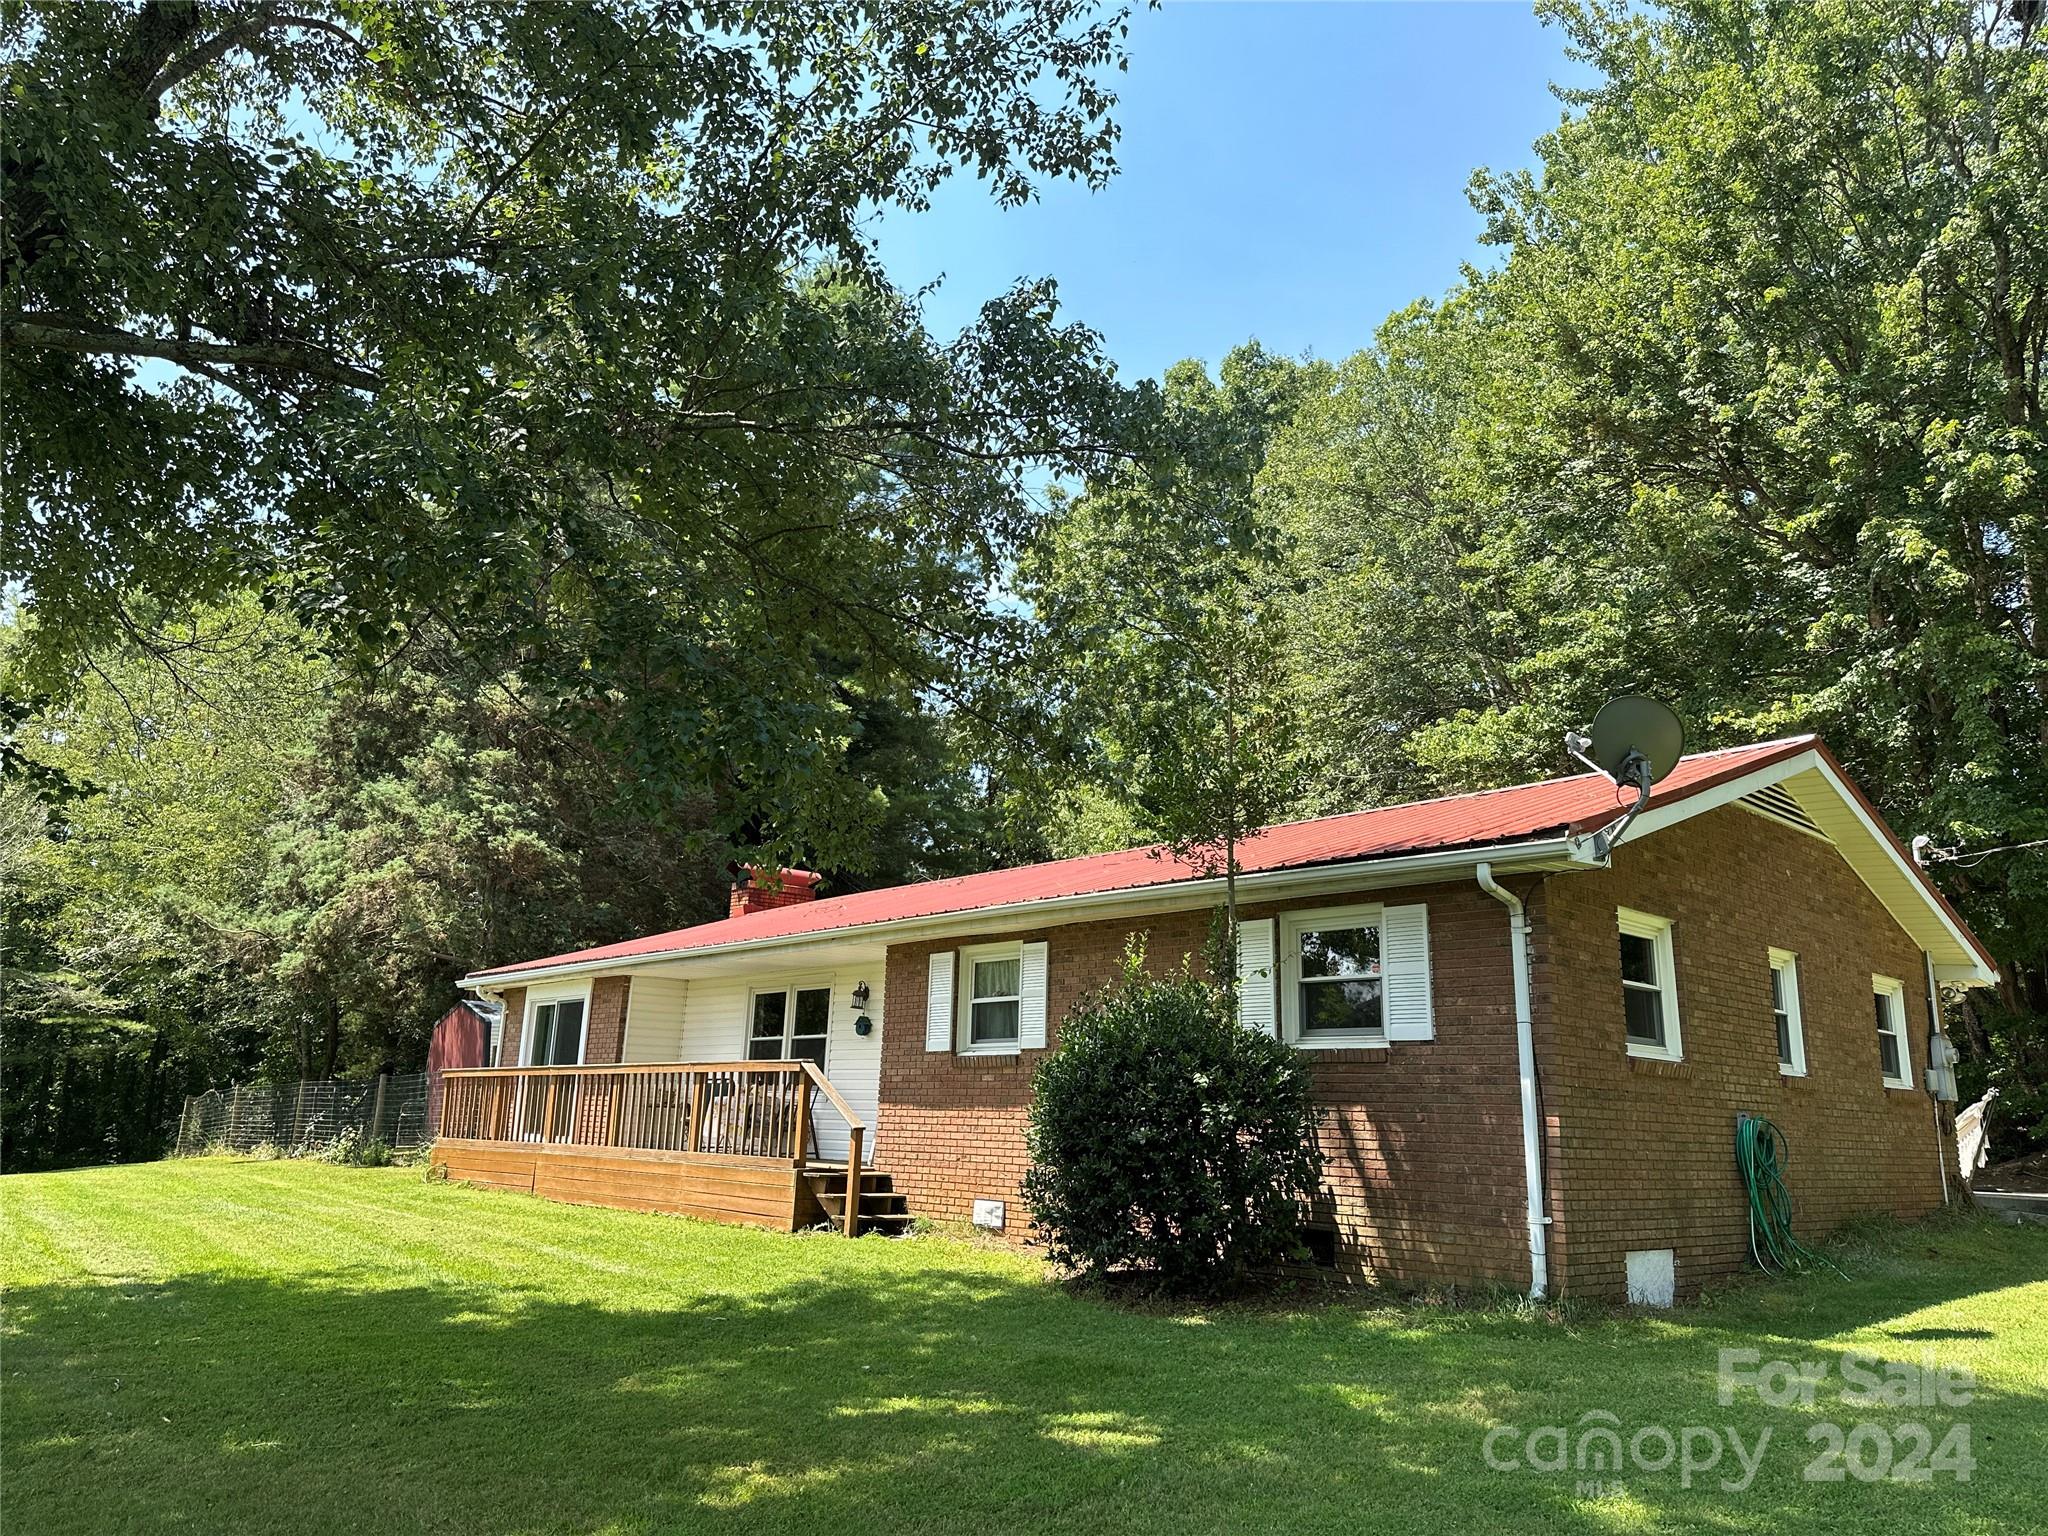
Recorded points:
221,1345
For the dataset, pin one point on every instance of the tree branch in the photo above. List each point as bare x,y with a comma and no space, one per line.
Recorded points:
216,48
63,333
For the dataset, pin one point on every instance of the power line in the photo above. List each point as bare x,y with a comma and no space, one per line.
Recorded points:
1961,860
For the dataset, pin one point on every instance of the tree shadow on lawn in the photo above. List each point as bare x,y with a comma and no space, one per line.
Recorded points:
937,1397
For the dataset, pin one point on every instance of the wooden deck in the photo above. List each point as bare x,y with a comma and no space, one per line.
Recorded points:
726,1141
746,1191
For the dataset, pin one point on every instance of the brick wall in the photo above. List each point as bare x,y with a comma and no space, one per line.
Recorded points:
1422,1139
604,1036
515,1026
1641,1153
606,1039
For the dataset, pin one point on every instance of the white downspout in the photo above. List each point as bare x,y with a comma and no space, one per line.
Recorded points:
1525,1059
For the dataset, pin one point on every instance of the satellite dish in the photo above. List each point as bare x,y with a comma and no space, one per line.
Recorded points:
1634,742
1633,736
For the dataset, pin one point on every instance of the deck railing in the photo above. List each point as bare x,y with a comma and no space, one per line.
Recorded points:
761,1109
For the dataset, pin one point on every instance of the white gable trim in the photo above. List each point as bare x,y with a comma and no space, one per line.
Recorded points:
1865,845
1658,817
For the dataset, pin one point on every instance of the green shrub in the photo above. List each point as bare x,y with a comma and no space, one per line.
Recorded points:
1167,1140
346,1147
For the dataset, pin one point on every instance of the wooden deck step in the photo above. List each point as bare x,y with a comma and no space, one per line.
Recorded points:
882,1209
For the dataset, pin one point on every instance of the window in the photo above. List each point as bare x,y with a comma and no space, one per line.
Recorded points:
1649,988
555,1038
790,1024
992,981
1892,1058
1785,1010
1333,984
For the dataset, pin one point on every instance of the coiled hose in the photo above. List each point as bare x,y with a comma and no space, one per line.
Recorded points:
1761,1154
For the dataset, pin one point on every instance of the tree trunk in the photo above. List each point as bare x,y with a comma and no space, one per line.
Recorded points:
1234,785
333,1040
1230,924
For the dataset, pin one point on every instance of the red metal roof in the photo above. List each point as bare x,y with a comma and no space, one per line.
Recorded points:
1523,813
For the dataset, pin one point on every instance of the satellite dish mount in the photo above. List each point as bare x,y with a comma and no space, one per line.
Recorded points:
1632,743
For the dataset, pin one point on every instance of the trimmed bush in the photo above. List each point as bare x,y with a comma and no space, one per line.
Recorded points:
1167,1140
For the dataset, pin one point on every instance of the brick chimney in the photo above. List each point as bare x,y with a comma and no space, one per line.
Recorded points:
757,889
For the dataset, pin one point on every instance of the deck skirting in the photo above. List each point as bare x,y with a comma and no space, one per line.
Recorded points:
746,1191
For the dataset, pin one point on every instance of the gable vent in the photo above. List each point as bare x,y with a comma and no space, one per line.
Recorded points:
1776,802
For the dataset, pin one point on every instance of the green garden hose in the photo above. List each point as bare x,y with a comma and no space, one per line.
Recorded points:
1761,1154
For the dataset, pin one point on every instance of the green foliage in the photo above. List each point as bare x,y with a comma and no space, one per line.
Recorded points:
2007,1051
353,1150
1160,646
1748,416
126,907
279,870
1438,641
1167,1140
553,329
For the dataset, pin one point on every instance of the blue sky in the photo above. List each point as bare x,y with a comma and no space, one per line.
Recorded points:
1291,172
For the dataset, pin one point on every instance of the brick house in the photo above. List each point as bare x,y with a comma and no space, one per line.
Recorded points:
1531,1057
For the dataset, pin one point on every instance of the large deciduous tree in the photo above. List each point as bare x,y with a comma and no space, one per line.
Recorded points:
556,326
128,898
1750,415
1159,642
1781,298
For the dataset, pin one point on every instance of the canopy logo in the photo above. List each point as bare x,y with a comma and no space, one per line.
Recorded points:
1599,1450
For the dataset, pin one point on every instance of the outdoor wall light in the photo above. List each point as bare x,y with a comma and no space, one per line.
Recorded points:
860,998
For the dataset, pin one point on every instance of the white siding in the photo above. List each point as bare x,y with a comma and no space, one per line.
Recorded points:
706,1020
654,1019
715,1019
854,1064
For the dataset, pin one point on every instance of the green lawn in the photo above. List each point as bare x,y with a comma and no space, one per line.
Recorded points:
221,1345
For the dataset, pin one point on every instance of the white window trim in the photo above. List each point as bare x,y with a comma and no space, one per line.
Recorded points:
539,998
826,984
963,1003
1292,926
1646,925
1795,1022
1893,991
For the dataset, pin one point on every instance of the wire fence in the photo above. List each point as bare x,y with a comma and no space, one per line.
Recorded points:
297,1118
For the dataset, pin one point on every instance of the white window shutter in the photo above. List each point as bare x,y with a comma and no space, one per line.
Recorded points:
1404,963
1258,990
938,1003
1031,999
